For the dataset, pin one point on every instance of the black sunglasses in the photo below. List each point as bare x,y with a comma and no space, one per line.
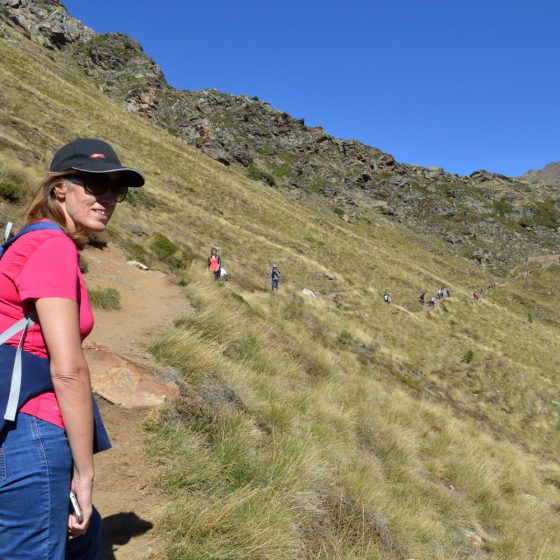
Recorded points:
99,184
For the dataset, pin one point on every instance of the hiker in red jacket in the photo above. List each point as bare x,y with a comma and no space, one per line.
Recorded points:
215,263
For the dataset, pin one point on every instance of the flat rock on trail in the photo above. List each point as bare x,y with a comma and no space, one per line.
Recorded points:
150,303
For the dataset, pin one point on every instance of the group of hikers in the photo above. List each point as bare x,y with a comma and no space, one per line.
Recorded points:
215,266
442,293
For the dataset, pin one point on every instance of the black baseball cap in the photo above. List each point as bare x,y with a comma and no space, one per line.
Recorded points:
93,156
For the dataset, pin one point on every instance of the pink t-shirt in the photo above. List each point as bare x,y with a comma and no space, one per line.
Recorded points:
43,263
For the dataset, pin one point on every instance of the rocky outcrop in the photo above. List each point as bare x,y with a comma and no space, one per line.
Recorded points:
123,383
46,22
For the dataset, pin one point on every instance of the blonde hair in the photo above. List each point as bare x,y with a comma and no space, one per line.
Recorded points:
44,205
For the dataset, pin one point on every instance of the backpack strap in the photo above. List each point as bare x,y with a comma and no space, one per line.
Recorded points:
15,386
33,227
8,230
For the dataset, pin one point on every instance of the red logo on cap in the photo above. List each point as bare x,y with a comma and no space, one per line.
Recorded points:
102,156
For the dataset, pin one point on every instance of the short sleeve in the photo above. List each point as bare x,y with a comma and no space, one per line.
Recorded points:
52,270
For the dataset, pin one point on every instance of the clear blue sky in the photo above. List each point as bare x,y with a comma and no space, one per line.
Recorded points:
465,85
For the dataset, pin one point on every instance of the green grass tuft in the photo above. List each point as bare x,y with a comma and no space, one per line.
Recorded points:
104,298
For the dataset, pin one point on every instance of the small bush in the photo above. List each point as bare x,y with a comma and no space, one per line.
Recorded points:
339,211
133,197
104,298
84,266
12,187
98,240
163,247
344,338
166,251
257,174
530,317
468,357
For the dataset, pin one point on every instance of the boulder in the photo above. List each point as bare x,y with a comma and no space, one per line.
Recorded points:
329,275
121,382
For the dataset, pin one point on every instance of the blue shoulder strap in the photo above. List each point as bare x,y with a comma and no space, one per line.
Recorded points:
32,227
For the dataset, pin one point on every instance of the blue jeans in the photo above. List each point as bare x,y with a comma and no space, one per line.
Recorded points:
275,282
35,475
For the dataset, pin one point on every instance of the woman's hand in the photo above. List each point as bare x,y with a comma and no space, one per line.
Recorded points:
83,490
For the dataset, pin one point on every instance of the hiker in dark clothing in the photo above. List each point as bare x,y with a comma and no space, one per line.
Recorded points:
423,298
275,277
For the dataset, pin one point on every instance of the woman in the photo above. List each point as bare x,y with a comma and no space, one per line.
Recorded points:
215,263
47,450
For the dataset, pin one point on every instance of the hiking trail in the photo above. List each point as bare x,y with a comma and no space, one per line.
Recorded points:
150,303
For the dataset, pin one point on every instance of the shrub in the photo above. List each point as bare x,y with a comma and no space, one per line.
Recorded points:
104,298
257,174
344,338
98,240
163,247
170,253
166,250
339,211
12,187
137,253
468,357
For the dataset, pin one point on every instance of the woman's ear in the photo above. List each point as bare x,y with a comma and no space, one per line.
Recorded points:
59,190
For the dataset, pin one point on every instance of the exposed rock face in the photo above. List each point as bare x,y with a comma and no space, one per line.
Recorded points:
487,216
45,21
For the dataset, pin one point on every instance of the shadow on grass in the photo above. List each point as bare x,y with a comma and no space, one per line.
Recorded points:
118,529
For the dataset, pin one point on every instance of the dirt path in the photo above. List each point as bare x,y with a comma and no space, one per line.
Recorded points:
150,303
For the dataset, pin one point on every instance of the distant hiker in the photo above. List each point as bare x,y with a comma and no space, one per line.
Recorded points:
432,303
50,425
423,298
476,295
387,297
275,277
439,293
444,293
448,292
215,263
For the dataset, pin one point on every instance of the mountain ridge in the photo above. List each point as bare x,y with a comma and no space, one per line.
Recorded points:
487,217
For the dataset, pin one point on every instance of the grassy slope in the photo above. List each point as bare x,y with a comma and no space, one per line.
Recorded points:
336,427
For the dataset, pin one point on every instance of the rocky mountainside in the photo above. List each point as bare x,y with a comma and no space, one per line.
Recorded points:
491,218
549,175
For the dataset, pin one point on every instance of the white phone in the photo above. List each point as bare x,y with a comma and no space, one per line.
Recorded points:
76,507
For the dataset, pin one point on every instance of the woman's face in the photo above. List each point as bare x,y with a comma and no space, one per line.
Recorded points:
85,211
